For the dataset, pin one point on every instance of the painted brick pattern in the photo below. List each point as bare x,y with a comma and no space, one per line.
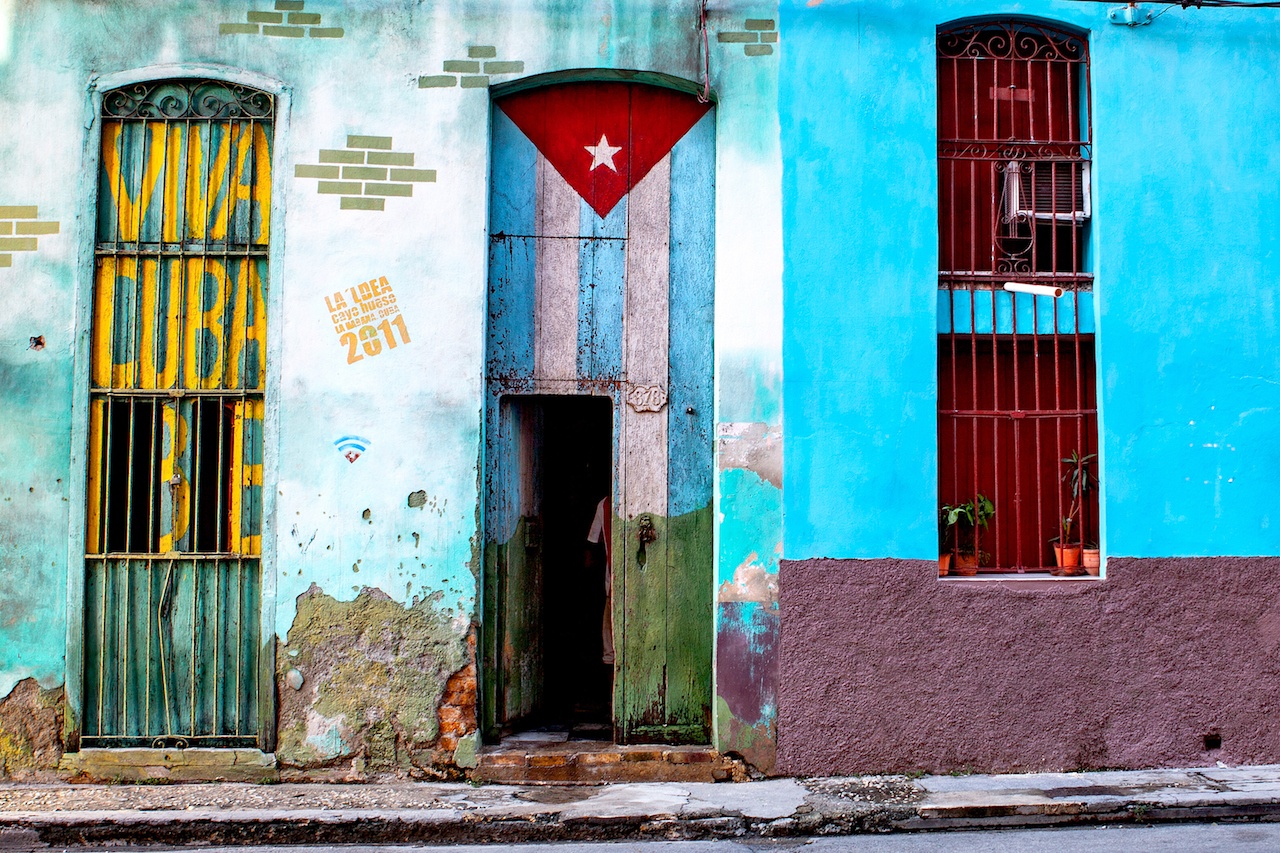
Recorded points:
365,173
21,229
757,36
287,19
473,72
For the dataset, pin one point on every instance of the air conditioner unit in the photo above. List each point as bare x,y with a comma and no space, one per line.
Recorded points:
1055,190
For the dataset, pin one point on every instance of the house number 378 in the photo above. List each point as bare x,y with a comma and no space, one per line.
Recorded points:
369,338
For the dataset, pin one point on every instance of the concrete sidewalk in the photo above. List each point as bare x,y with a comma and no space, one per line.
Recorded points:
33,816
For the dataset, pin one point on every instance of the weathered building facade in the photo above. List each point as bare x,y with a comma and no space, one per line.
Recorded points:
339,332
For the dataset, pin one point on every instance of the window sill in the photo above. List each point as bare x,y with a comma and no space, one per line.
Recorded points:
1024,580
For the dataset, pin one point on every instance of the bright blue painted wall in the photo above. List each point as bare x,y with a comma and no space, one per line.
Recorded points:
1187,209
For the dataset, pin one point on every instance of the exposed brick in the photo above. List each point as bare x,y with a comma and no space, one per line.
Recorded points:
461,66
475,82
387,158
18,244
283,32
503,759
305,171
436,81
303,18
349,203
26,211
290,5
737,38
335,155
503,67
402,190
757,49
339,187
642,755
482,51
690,756
769,37
237,29
758,24
553,759
6,228
326,32
265,18
417,175
455,727
448,742
6,260
448,714
382,143
363,173
37,228
590,759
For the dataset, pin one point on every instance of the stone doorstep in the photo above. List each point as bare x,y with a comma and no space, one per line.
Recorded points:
588,762
184,765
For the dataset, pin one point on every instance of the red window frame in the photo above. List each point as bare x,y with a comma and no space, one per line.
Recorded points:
1016,371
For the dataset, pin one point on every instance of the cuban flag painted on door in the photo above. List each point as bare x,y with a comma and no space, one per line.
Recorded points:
601,282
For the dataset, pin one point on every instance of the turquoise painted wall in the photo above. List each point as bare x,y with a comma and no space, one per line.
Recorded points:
396,71
1186,207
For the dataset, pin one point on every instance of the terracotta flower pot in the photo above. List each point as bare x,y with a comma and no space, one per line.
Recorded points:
1067,557
966,565
1091,559
944,565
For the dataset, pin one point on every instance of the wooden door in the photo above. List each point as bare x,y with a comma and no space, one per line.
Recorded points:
601,282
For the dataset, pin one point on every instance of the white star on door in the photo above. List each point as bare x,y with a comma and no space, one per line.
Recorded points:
602,154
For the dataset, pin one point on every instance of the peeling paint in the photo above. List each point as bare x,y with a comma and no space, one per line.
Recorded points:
30,731
374,673
751,582
756,447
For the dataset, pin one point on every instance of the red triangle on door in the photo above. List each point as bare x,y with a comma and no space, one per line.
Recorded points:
603,137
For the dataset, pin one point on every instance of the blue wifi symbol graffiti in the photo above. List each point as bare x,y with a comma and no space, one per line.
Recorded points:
351,446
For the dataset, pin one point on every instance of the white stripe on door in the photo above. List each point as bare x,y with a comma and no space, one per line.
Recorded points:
646,324
555,342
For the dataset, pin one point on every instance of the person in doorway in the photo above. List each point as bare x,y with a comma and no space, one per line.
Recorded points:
601,534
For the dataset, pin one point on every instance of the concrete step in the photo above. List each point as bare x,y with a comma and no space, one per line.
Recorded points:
597,761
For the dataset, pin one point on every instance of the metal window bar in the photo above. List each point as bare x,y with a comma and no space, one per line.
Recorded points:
173,576
1016,372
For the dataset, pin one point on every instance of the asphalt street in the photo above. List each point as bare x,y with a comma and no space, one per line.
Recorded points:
1183,838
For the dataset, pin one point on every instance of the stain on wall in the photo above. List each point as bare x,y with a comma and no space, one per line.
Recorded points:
370,676
890,669
30,732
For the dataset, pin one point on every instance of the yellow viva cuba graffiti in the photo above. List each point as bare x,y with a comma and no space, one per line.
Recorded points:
178,182
197,323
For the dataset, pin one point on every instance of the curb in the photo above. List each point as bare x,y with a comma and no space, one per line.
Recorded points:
28,831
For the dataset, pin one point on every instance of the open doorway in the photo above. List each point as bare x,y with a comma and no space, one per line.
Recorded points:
552,582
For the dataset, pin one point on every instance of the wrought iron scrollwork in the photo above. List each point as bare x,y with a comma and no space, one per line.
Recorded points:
1012,40
188,98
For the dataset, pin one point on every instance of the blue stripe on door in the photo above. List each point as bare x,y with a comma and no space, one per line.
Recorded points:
512,259
692,318
601,278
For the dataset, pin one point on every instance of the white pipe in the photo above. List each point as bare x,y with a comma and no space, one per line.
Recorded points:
1037,289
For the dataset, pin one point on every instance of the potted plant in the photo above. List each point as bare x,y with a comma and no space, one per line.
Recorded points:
957,526
1066,553
1091,558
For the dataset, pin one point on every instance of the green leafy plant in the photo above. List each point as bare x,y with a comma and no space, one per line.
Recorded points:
1079,480
958,520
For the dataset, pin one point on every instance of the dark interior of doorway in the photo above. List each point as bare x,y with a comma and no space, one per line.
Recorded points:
577,471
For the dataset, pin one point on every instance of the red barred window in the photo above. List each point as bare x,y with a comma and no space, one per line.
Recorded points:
1017,412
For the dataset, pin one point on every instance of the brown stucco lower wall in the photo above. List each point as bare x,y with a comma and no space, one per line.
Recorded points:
886,668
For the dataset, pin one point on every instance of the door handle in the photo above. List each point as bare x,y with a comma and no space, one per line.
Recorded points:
646,533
